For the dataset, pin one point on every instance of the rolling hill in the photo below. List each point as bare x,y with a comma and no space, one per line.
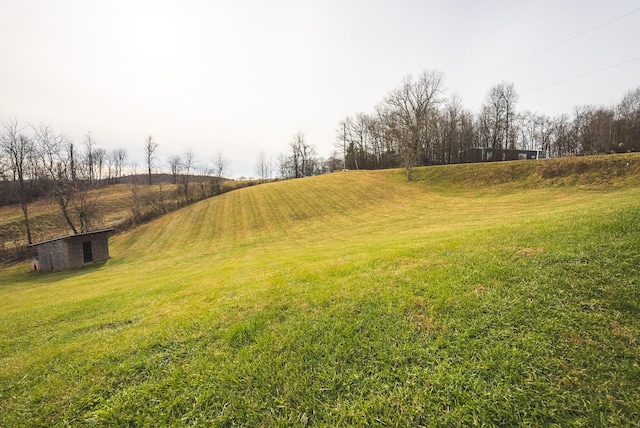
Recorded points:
111,205
488,294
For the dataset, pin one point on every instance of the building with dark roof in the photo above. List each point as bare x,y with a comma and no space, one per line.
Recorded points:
73,251
493,155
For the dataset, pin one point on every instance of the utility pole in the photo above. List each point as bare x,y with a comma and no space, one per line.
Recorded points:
344,146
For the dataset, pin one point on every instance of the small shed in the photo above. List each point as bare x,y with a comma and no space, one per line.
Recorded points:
73,251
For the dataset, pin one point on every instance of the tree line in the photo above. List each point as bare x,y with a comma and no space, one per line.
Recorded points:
37,161
192,181
418,124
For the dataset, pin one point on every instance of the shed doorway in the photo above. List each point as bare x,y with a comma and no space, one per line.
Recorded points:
86,251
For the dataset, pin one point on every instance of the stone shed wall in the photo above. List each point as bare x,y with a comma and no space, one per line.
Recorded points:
69,252
52,256
99,249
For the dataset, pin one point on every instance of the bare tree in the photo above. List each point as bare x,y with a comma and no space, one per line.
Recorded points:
72,163
457,130
353,133
134,188
385,134
205,181
410,110
119,160
174,164
528,125
564,143
18,149
220,170
158,200
296,162
596,129
71,182
85,204
109,160
628,115
99,158
89,143
263,167
545,132
4,169
333,163
285,168
188,163
303,154
56,156
510,99
498,113
150,147
301,161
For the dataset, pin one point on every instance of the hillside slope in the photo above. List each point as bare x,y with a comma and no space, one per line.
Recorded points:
111,205
348,299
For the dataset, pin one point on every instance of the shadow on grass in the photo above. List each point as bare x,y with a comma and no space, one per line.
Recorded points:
27,277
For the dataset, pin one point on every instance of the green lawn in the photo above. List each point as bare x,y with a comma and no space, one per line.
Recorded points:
491,295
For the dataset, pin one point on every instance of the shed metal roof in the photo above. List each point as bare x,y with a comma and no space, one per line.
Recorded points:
94,232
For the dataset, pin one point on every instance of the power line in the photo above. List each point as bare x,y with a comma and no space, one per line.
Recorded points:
581,75
518,61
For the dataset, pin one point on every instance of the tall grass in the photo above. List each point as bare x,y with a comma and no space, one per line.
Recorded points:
349,299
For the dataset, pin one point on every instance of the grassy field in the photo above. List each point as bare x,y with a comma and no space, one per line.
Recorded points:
111,206
491,295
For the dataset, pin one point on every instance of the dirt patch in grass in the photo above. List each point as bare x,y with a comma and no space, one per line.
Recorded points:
530,252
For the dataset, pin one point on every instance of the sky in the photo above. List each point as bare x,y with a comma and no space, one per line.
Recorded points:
243,76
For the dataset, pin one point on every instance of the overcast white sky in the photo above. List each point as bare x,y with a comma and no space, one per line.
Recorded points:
245,75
